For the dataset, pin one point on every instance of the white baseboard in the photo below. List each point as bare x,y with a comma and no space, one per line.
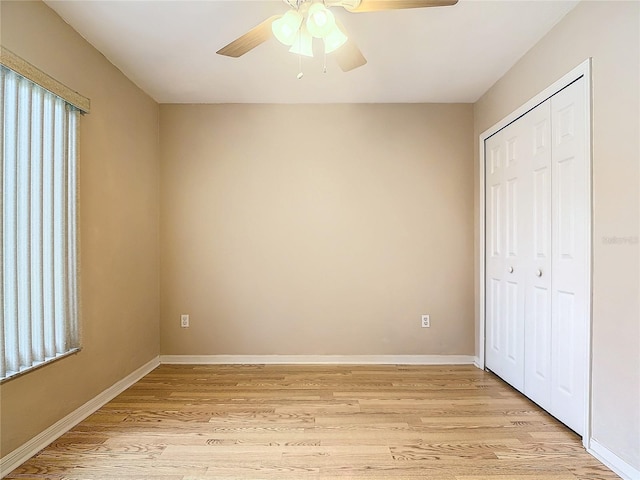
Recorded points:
319,359
478,363
21,454
614,462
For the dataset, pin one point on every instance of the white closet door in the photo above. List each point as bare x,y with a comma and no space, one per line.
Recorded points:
508,245
570,296
537,247
537,384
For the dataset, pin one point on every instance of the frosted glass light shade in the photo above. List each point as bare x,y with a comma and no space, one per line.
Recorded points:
303,43
286,27
334,40
320,21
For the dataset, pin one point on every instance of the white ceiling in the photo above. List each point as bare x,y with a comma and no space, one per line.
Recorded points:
442,54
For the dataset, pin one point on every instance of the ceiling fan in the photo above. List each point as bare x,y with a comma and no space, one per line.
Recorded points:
308,19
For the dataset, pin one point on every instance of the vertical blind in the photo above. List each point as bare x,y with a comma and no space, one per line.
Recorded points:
39,315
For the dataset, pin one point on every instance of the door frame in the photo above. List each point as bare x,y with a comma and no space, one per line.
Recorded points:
582,70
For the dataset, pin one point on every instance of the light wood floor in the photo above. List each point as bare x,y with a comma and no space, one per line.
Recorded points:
317,422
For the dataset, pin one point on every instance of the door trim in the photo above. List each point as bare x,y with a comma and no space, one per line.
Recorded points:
582,70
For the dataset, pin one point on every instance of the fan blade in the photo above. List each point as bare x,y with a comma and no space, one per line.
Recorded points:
349,56
379,5
249,40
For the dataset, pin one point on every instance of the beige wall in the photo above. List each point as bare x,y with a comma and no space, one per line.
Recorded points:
118,226
610,33
308,229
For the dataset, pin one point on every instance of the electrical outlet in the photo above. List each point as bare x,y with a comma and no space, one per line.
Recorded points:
184,321
426,323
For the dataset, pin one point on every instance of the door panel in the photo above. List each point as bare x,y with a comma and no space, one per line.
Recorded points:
565,326
538,295
506,192
496,216
494,256
493,331
570,297
540,370
512,218
541,212
565,207
514,343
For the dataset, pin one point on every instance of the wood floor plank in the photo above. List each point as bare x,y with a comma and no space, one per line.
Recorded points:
204,422
560,476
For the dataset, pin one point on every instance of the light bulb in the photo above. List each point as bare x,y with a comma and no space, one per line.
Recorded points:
286,27
320,21
334,40
303,43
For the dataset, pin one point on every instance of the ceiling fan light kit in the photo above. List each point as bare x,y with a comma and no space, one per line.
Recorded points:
303,43
286,28
320,21
308,19
334,40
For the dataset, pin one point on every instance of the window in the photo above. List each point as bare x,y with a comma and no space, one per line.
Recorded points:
38,266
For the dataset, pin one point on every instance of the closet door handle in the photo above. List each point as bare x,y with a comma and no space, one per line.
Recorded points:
510,270
538,273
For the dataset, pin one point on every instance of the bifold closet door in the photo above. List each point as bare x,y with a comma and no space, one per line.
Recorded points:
536,258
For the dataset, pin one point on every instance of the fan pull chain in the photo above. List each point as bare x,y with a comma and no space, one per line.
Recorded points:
300,75
324,64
